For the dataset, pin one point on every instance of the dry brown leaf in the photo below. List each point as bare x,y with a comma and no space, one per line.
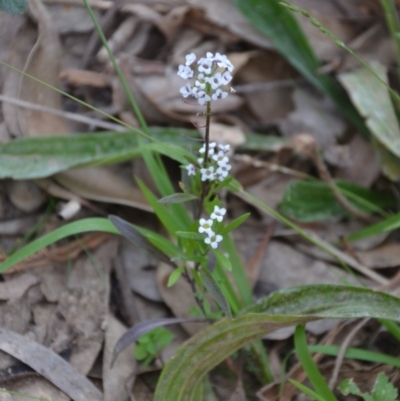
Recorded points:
223,13
50,365
85,78
115,380
16,287
385,255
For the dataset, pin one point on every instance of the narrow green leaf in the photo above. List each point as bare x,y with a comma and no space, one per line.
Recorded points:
13,6
389,224
309,366
235,224
169,221
175,275
204,351
356,353
222,260
77,227
160,242
315,396
282,28
178,198
214,289
190,235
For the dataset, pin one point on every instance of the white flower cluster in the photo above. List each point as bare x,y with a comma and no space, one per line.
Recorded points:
212,72
206,227
218,165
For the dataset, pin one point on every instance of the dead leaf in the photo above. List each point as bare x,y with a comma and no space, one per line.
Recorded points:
49,365
116,379
16,286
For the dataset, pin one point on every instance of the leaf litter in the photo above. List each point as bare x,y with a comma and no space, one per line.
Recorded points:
69,300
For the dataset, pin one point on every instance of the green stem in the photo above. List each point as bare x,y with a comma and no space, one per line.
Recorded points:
393,24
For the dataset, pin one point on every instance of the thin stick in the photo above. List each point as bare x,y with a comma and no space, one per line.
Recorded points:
70,116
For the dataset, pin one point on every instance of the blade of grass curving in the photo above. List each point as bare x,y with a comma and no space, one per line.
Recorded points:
389,224
77,227
306,390
393,23
281,27
309,366
204,351
355,353
169,220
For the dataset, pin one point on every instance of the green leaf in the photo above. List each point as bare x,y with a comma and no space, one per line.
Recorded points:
214,289
384,390
373,101
77,227
295,306
140,352
309,366
13,6
348,386
307,390
178,198
235,224
282,28
309,201
389,224
190,235
151,348
174,276
222,260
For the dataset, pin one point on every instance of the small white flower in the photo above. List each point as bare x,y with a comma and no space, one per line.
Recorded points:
200,160
224,148
190,58
219,176
233,90
202,97
213,239
207,173
210,56
185,72
205,65
218,213
226,77
211,149
220,158
223,61
191,169
205,226
219,94
223,171
201,81
186,90
214,80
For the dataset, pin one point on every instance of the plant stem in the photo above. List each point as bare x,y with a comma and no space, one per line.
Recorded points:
207,135
393,24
